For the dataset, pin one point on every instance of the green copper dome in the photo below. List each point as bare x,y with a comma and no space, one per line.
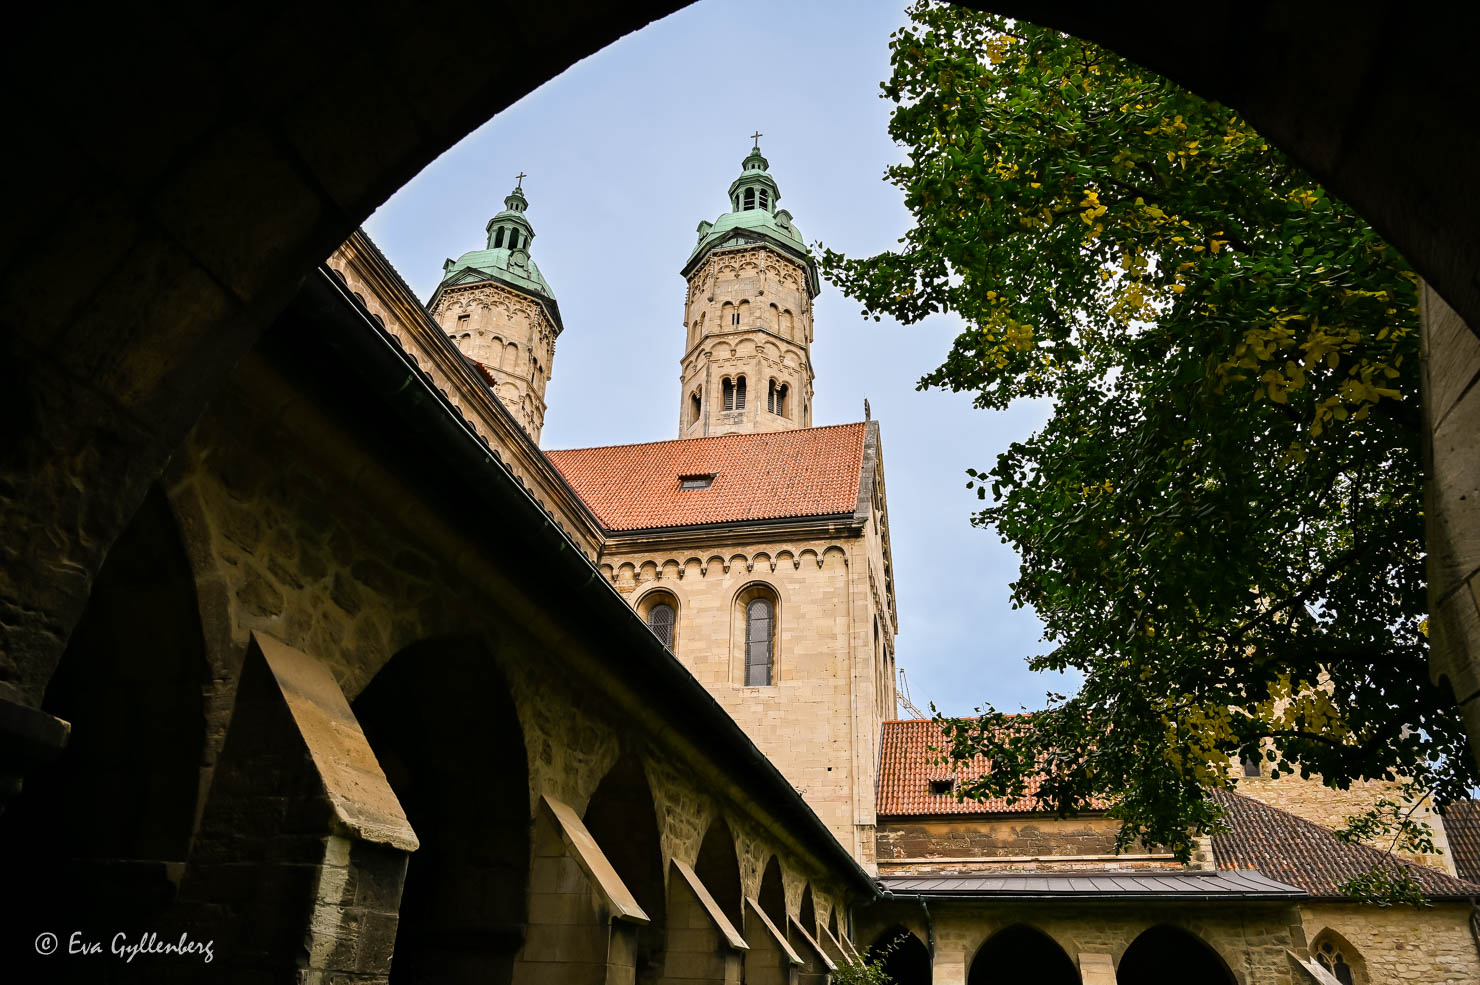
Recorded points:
506,258
754,217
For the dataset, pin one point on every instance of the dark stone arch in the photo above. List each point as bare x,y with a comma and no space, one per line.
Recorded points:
718,868
110,823
807,911
772,894
622,818
1021,953
832,924
905,957
1165,955
443,725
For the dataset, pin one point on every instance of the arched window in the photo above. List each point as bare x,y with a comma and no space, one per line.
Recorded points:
1339,958
760,628
763,198
781,401
696,407
728,387
749,198
498,238
740,393
513,239
771,397
660,621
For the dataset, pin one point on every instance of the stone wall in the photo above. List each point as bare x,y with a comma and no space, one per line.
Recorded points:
1250,938
819,719
1007,844
1433,946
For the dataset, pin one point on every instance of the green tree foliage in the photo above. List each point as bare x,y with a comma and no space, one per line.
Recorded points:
1221,524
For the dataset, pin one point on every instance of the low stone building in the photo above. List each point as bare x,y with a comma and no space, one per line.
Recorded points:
979,886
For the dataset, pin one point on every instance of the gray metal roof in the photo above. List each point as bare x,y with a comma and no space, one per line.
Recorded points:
1139,884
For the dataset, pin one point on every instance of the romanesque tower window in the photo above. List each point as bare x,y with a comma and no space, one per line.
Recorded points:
759,633
696,407
740,393
728,388
776,399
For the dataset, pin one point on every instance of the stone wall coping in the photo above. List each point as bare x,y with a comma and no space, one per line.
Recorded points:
812,944
721,922
583,848
357,789
776,935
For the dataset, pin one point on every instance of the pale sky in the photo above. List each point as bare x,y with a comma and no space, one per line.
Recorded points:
625,153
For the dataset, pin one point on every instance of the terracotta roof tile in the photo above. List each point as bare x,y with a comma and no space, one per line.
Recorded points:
906,769
808,472
1462,825
1293,850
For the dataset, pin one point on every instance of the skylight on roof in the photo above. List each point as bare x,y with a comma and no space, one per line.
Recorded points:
695,481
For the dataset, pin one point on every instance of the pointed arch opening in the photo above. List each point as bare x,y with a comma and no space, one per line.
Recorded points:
1171,954
904,957
1337,955
437,716
1024,953
718,868
807,911
104,825
622,818
772,894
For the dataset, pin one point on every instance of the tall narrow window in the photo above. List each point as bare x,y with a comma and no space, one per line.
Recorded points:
696,408
513,239
762,198
771,397
740,393
498,238
759,630
750,198
729,393
660,621
781,400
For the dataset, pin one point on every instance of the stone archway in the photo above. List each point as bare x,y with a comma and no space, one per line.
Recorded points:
441,721
905,958
1166,954
1021,953
718,868
109,826
622,819
772,894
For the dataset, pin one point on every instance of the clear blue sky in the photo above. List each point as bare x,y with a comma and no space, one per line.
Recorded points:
626,152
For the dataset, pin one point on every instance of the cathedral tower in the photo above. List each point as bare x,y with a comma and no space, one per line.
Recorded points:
498,309
747,363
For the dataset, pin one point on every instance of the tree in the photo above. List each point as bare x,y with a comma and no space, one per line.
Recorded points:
1221,524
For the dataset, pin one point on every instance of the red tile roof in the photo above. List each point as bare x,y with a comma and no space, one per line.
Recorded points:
906,768
1462,825
809,472
1292,850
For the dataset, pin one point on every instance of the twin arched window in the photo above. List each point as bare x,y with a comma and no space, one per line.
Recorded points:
734,393
760,633
1337,957
776,399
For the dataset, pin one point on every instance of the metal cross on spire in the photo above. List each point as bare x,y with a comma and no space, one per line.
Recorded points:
519,180
757,137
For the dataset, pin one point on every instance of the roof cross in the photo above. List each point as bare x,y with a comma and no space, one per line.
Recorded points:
519,180
757,137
